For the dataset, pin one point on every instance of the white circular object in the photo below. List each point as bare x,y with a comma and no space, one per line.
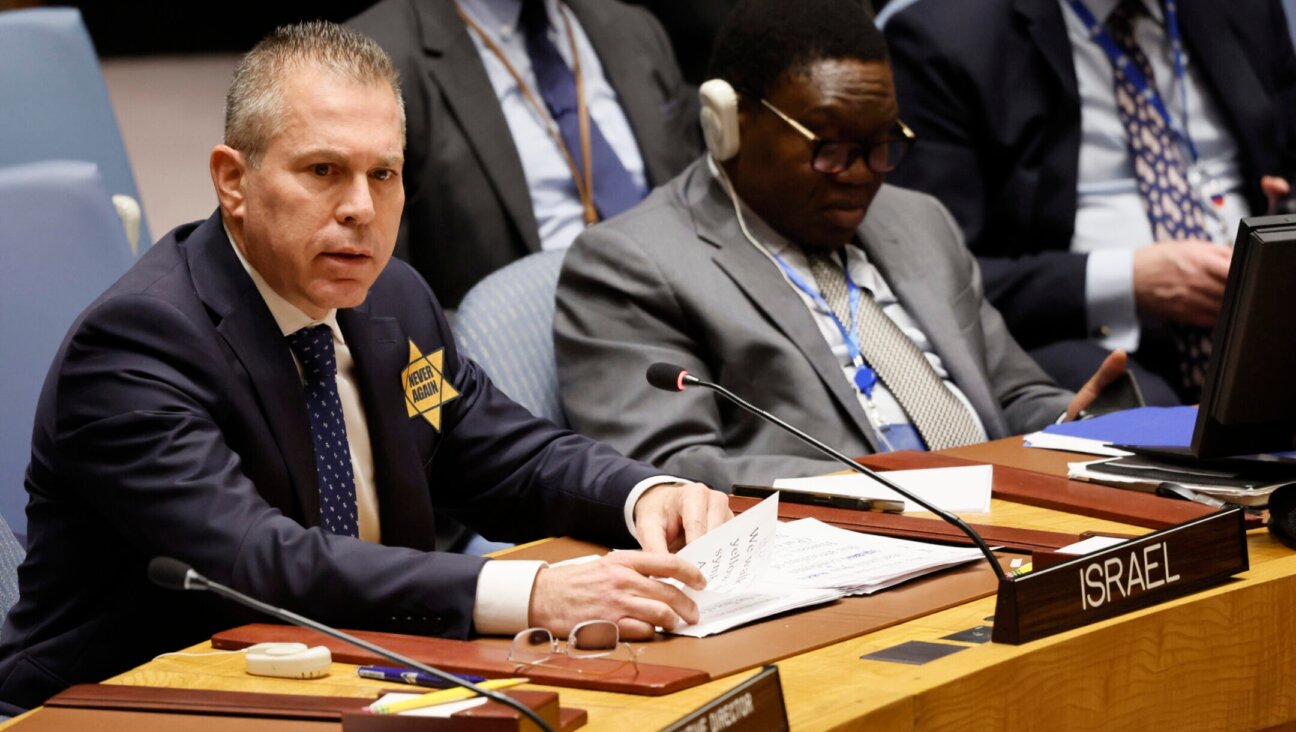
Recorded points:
288,660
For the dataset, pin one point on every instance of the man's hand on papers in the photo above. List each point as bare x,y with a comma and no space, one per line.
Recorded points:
670,515
618,587
1111,369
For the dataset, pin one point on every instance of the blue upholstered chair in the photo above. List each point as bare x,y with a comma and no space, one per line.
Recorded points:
61,245
505,323
11,555
53,101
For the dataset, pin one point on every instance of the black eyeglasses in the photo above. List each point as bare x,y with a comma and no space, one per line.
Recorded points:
835,156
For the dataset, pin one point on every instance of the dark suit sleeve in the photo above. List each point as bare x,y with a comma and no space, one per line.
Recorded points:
511,475
682,142
144,449
958,158
1284,85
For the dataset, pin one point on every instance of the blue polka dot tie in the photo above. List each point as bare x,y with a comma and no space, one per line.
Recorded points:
1173,208
314,349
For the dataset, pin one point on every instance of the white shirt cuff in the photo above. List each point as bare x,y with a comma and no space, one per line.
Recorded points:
1109,299
640,488
504,596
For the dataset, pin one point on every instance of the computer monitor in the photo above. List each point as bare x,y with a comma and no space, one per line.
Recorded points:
1248,403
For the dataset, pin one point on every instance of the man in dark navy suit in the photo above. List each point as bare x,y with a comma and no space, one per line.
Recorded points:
1015,104
267,397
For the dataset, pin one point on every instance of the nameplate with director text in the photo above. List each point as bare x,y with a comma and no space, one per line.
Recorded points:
1135,574
755,705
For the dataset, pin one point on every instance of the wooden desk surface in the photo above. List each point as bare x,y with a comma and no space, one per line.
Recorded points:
1220,659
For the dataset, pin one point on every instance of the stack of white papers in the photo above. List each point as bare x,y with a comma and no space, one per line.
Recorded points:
756,567
1069,443
810,553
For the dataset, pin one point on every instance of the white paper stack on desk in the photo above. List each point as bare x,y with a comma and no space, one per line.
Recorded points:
757,567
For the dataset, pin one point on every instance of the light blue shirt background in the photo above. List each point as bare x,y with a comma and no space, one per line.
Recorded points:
558,209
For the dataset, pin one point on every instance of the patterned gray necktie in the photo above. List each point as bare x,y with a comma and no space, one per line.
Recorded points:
938,415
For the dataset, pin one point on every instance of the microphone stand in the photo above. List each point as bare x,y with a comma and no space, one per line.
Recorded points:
176,575
678,381
1050,600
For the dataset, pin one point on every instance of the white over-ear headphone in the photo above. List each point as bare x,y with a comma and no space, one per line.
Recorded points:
719,118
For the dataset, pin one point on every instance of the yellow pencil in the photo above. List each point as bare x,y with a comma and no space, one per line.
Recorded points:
441,697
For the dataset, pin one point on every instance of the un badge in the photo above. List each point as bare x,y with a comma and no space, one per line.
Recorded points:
426,387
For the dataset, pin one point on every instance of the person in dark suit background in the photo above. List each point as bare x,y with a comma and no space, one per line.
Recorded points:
266,397
1014,102
487,178
692,27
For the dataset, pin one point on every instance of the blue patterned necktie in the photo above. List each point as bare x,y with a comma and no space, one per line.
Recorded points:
614,189
1173,208
314,349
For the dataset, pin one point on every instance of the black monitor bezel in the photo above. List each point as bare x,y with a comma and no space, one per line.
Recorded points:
1213,438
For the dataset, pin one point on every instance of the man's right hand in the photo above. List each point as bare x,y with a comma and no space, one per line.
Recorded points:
617,587
1181,281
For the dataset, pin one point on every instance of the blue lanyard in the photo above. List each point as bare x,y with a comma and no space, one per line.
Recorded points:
865,377
1135,75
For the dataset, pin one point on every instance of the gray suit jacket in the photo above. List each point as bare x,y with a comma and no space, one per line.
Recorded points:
467,208
674,280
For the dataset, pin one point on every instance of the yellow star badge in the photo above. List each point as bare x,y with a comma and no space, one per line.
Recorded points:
426,388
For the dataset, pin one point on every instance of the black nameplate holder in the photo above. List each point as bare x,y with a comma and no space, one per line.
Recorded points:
755,705
1138,573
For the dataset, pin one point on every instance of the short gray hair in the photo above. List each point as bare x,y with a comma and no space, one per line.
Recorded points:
254,106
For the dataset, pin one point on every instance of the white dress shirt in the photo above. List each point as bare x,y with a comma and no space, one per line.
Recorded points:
1111,219
558,208
503,597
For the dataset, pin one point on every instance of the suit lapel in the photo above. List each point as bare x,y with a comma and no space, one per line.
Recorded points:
1047,29
456,65
625,74
248,327
764,286
904,274
1217,54
380,350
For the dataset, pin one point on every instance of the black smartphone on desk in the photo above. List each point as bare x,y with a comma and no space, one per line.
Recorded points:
792,495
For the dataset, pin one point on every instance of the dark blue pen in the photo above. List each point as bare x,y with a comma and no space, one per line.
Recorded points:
410,676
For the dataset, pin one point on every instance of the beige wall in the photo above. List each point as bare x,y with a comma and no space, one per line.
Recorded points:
171,113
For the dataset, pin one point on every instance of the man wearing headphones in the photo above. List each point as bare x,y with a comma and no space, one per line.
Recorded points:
781,267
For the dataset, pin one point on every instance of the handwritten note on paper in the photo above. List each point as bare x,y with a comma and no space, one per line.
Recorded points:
812,563
810,553
732,555
756,567
721,611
